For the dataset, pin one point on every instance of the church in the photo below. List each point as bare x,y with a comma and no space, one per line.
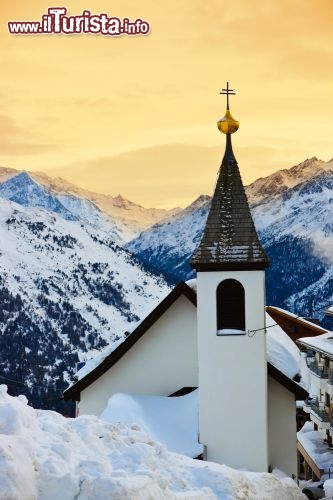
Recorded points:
212,335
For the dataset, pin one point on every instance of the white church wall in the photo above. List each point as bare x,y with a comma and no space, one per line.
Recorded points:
233,376
161,362
282,428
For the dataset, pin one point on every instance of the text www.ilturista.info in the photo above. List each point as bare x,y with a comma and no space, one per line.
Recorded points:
57,22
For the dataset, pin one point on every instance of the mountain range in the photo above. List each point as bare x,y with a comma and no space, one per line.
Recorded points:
68,287
128,218
292,210
78,268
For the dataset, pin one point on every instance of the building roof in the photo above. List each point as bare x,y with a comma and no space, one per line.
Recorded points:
297,320
322,343
229,240
329,311
285,355
73,392
182,288
292,386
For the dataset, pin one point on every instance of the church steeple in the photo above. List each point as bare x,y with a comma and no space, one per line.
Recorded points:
230,240
230,265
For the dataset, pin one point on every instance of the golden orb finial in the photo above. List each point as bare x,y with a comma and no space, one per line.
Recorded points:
227,124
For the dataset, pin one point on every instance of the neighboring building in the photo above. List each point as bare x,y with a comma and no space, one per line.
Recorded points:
295,326
320,405
329,311
247,411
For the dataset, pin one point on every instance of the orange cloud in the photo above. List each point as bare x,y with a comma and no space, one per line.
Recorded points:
91,103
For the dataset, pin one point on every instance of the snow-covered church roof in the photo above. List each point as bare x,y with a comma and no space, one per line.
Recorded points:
285,362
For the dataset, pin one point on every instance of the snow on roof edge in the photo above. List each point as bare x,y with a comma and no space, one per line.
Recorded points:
300,318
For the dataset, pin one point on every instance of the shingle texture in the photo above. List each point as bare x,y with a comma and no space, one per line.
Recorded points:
230,240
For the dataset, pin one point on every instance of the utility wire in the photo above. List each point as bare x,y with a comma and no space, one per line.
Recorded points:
6,379
253,332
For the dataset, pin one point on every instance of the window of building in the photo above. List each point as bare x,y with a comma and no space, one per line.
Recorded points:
327,399
230,303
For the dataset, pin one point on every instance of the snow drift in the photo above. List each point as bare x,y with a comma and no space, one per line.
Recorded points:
44,456
172,421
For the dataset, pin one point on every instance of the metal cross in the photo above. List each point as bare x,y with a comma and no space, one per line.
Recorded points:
227,92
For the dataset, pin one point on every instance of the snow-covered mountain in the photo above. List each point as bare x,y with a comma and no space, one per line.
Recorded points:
24,190
292,210
169,245
297,231
68,286
67,290
128,218
268,188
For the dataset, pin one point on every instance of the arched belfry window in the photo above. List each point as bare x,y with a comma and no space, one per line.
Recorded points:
230,304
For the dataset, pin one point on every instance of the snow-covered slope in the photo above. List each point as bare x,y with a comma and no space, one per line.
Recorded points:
292,210
169,245
24,190
297,231
130,217
274,185
45,456
67,289
38,189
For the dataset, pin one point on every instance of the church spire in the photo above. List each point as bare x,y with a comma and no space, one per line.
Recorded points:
230,240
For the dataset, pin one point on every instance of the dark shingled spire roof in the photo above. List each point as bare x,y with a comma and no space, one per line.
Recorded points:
230,240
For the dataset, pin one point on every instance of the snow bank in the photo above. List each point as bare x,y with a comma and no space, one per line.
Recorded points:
44,456
172,421
328,488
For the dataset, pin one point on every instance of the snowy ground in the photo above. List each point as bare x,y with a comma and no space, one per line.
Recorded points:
44,456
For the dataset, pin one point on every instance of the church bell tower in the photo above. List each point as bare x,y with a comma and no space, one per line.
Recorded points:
230,264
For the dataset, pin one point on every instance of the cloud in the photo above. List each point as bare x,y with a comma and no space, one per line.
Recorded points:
12,140
164,175
93,97
323,245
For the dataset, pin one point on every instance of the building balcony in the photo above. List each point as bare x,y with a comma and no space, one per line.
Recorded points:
320,415
330,377
307,406
319,370
329,384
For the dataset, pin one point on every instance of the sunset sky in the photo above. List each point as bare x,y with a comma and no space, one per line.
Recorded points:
137,115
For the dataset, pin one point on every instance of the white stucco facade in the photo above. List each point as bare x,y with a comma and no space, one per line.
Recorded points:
233,420
244,420
161,362
281,428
